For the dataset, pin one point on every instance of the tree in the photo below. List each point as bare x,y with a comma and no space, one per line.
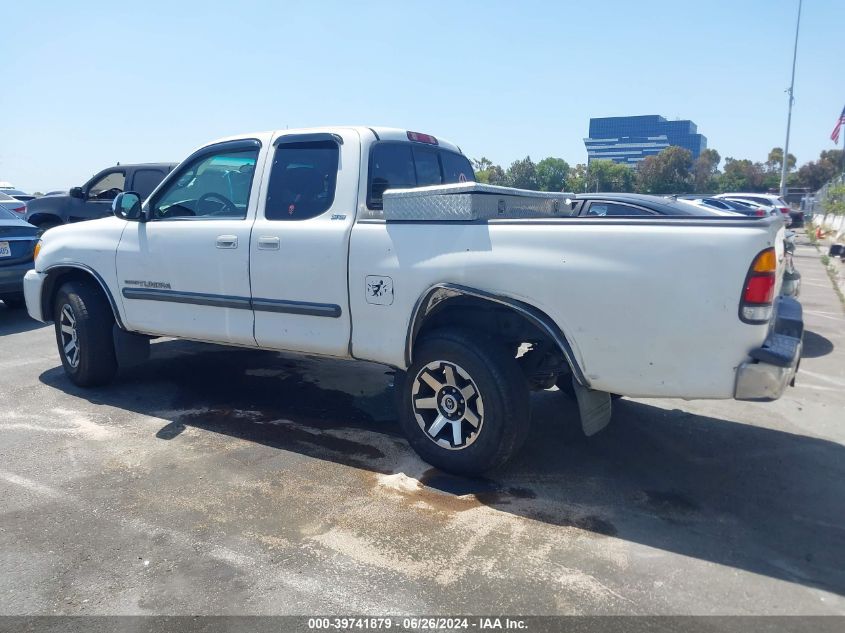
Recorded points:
487,172
774,162
834,201
742,175
481,164
552,173
522,174
605,175
667,172
496,176
815,174
577,179
705,170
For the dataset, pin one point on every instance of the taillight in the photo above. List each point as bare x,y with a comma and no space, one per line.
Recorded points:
20,210
784,210
759,290
419,137
760,212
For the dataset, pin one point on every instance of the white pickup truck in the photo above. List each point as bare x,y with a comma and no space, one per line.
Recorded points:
280,241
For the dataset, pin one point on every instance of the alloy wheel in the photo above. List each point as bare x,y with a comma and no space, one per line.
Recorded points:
70,338
447,405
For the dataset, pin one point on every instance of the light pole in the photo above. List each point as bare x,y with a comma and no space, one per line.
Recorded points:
791,94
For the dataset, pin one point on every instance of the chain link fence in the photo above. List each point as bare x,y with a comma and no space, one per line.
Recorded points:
826,207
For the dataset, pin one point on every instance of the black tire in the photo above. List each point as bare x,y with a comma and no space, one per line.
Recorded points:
92,361
498,401
13,301
46,225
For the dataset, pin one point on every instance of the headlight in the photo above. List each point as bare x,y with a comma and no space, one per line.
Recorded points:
36,250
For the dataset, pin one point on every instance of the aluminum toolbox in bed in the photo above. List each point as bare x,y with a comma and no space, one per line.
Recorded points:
473,201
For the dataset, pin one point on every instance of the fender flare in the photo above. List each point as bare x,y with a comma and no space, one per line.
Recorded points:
38,217
444,291
48,288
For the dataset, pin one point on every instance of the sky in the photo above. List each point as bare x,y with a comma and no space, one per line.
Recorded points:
87,84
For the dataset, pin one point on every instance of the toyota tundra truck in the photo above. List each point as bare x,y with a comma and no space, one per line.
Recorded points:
357,243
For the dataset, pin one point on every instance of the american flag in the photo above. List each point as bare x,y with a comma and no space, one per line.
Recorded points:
839,123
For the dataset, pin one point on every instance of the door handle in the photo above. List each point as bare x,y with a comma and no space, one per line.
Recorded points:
268,243
227,241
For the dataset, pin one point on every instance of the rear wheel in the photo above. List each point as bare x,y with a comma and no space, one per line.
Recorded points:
13,301
84,320
464,405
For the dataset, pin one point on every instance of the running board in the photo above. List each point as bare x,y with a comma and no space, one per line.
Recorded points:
594,407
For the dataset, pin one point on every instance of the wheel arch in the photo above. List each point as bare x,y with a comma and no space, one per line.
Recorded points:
62,273
41,217
443,295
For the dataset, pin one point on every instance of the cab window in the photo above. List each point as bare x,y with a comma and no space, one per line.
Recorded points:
398,165
146,180
107,187
211,186
303,179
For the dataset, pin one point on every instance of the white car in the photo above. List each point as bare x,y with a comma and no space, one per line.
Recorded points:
12,204
288,240
758,208
765,199
721,207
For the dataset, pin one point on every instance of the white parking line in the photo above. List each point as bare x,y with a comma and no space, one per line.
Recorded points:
833,381
30,485
824,315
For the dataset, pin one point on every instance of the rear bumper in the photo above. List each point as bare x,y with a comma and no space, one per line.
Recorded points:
11,277
772,367
32,283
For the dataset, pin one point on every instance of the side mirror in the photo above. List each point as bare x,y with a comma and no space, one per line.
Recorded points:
127,206
76,192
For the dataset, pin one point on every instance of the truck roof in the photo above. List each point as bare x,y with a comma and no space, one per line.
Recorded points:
374,132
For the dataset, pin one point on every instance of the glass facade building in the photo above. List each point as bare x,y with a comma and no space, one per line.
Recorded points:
629,139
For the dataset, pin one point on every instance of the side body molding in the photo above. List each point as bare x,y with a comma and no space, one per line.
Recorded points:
445,291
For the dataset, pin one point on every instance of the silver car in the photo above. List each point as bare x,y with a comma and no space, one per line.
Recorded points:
12,204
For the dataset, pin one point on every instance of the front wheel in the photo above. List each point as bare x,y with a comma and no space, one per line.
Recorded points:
84,320
465,402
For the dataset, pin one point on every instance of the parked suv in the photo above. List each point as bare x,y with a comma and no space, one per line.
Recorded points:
93,199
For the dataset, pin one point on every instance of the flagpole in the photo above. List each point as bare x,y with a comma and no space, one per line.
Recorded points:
791,93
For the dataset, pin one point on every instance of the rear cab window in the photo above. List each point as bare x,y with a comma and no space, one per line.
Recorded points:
403,165
145,180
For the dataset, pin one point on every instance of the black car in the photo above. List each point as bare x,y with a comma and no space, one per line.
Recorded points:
17,245
93,199
633,204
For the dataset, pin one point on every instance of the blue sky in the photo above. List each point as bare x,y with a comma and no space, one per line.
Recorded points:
88,84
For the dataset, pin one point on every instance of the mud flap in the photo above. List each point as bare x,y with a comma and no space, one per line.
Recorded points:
594,407
130,349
